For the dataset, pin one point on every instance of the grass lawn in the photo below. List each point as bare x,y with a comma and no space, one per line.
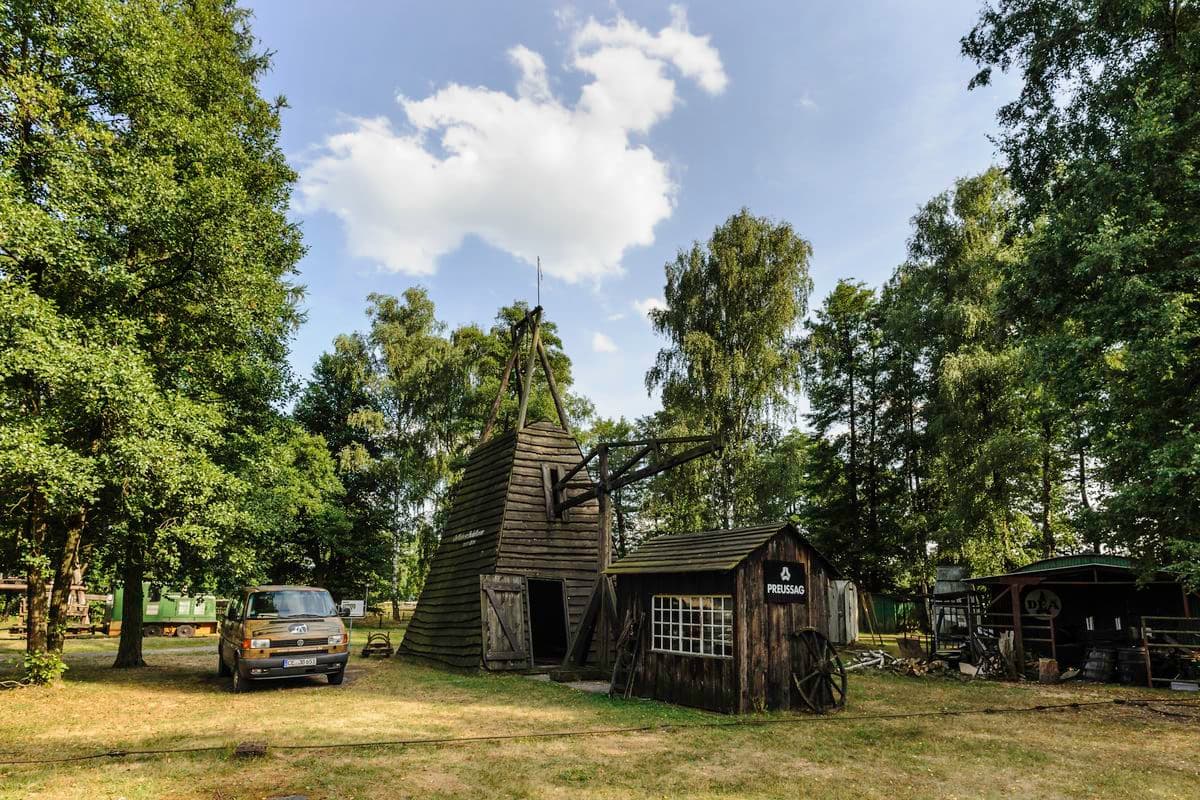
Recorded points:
1109,751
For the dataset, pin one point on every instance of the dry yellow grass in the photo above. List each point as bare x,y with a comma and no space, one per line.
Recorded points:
1111,751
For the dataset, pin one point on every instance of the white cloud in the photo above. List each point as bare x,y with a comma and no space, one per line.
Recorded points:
807,103
528,173
602,343
644,307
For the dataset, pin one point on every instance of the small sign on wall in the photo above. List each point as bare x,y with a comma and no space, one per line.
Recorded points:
354,609
785,582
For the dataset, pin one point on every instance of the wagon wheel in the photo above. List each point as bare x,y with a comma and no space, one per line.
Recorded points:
185,631
152,630
822,684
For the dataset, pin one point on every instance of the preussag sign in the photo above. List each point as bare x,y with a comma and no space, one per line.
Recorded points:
785,582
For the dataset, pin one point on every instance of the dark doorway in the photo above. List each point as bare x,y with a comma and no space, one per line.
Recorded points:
547,620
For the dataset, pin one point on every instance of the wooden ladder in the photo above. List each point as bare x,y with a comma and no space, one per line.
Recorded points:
629,645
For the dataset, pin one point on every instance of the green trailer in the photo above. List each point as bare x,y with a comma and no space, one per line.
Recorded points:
169,613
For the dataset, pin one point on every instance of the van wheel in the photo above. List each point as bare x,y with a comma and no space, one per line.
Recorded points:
239,684
222,668
336,678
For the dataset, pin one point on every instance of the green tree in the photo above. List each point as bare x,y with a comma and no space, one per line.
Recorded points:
844,377
732,362
341,391
142,215
1102,145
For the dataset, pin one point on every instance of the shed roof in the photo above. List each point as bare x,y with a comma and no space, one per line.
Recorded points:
1065,564
704,551
1073,562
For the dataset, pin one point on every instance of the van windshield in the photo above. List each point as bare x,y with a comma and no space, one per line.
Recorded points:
290,603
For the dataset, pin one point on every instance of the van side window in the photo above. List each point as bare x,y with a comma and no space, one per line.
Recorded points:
235,609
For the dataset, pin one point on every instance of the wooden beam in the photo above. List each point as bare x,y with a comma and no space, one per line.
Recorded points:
645,472
508,368
527,378
607,618
621,470
605,513
1018,634
561,486
558,403
711,446
661,440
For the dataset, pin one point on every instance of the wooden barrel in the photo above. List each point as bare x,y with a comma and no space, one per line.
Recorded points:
1100,664
1131,665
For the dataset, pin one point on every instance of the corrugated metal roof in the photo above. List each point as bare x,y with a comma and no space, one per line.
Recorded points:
706,551
1065,564
1082,560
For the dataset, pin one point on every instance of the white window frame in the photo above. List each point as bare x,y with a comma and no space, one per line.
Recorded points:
699,625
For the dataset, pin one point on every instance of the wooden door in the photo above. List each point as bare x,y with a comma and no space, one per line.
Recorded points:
504,606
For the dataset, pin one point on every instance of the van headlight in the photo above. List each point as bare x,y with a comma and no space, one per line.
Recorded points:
260,644
337,638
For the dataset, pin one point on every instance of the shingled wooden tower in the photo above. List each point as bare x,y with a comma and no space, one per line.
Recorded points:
511,579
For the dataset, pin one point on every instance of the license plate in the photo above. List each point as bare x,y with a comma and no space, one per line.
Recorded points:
299,662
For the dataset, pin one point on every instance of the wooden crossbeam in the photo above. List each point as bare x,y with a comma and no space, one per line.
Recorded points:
621,470
711,445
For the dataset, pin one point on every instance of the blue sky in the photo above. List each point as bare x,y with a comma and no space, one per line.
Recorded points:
449,144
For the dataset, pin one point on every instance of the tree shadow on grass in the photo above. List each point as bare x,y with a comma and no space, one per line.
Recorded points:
186,676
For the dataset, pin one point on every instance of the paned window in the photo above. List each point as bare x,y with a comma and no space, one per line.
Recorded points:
693,625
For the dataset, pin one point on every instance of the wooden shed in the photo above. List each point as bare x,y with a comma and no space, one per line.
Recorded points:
1084,607
728,616
509,583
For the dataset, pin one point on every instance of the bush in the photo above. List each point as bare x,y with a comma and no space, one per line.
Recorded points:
43,668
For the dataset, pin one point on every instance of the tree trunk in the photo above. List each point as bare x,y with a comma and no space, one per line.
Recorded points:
35,575
129,650
852,462
1048,542
1083,491
64,575
873,455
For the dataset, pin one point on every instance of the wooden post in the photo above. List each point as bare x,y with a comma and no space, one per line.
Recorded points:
527,378
558,403
1146,653
1018,634
508,368
602,500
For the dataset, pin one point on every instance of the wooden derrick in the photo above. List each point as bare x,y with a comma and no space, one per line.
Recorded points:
475,609
526,519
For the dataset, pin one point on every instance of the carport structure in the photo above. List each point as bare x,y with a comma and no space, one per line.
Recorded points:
1062,607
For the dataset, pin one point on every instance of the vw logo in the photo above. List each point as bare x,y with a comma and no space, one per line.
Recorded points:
298,629
299,643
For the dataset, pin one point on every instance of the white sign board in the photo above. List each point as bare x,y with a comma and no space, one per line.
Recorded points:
354,609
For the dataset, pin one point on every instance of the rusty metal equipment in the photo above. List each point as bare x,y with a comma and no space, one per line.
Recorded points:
378,643
817,672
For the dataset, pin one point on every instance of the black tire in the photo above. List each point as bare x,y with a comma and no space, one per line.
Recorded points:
223,669
152,630
336,678
240,684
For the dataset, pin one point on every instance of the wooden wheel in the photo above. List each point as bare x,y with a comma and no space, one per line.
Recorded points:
818,675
